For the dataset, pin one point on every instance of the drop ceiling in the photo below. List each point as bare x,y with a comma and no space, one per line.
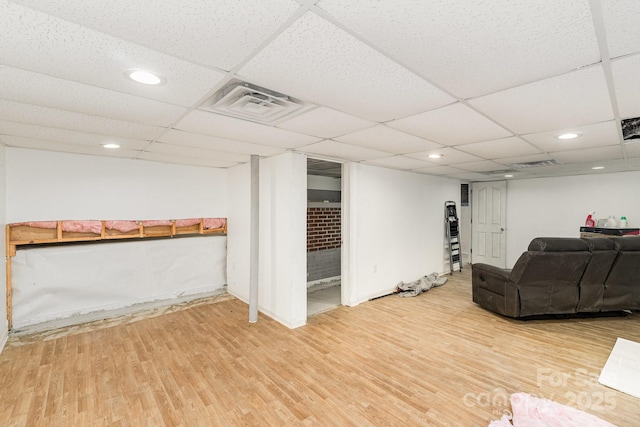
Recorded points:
386,83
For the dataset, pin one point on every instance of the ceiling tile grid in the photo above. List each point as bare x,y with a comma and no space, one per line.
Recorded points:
315,60
484,84
390,140
215,33
61,49
475,48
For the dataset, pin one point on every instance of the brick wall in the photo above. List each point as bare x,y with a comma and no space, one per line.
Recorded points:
323,229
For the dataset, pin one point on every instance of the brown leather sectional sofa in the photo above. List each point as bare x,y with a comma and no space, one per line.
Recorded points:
563,276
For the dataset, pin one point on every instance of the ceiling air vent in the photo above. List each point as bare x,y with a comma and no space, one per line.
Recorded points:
257,104
533,164
631,130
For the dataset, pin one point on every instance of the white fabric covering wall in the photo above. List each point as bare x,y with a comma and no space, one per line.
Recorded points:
396,227
64,280
558,207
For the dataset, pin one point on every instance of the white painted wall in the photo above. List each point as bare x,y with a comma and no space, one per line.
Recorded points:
282,271
558,207
4,327
396,228
45,185
77,279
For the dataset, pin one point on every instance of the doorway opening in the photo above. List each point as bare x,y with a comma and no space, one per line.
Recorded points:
324,235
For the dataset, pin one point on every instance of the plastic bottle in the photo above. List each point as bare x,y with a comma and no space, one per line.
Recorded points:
611,222
623,222
590,222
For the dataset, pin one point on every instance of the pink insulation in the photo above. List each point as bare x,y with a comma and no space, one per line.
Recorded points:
38,224
94,227
157,222
211,223
187,222
122,226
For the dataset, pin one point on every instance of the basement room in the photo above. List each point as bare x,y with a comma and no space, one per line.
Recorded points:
320,212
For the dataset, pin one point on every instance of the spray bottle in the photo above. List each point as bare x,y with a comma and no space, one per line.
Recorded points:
590,222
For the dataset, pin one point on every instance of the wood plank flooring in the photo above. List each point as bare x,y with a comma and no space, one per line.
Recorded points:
437,359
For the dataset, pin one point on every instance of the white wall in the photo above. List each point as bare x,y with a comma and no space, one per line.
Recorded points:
282,270
75,279
45,185
3,252
558,207
396,228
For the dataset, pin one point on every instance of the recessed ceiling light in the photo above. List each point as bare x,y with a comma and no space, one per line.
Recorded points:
144,77
508,175
435,156
595,168
570,135
111,145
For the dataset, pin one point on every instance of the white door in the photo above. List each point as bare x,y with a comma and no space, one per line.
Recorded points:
488,223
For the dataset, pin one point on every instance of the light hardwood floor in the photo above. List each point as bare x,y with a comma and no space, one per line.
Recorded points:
436,359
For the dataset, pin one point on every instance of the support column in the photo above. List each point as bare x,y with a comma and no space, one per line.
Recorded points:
254,248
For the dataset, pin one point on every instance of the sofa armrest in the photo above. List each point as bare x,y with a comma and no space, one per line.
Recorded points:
493,289
491,271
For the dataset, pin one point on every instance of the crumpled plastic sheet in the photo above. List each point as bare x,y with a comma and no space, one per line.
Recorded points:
530,411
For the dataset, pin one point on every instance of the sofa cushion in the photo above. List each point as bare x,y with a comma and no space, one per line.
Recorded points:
558,244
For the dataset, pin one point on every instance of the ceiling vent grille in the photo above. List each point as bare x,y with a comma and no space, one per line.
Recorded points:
533,164
249,102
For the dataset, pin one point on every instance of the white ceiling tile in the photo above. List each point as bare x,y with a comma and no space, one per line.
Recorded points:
68,136
339,150
390,140
632,149
621,19
451,125
475,48
60,49
185,160
54,118
595,135
182,151
589,154
500,148
218,33
213,124
316,61
482,166
178,137
42,90
399,162
450,156
325,123
634,163
439,170
554,103
627,84
45,145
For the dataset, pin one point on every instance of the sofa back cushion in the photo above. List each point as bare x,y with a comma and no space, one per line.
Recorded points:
622,287
603,253
548,274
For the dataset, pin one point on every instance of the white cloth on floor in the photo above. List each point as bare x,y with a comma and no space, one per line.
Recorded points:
423,284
